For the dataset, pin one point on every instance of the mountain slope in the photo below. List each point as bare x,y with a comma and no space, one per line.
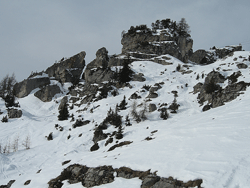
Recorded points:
191,144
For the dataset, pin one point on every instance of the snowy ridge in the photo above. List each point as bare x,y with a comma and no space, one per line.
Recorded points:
191,144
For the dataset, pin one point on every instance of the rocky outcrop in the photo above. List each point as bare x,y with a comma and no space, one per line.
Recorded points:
14,113
47,93
97,71
24,88
214,95
68,70
210,56
147,43
90,177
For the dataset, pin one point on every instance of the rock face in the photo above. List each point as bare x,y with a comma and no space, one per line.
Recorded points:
68,70
47,93
213,94
97,71
24,88
14,113
90,177
208,57
147,43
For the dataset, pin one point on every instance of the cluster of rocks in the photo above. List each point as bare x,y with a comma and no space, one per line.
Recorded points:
90,177
211,92
14,113
67,70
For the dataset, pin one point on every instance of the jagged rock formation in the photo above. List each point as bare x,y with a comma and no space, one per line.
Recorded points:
97,71
210,56
90,177
152,45
213,94
68,70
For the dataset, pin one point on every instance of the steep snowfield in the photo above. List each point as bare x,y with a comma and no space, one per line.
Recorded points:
211,145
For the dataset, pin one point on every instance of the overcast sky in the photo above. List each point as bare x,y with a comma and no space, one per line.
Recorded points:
34,34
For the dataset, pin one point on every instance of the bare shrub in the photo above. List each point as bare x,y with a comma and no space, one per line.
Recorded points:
27,142
15,144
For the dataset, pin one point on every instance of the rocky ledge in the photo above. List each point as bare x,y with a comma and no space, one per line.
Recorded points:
90,177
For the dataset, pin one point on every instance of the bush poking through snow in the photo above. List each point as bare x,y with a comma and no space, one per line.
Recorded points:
178,68
174,106
63,113
27,142
113,118
139,116
134,112
127,121
164,113
4,119
122,105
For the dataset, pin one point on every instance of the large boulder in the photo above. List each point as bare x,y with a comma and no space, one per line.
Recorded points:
47,93
97,71
68,70
24,88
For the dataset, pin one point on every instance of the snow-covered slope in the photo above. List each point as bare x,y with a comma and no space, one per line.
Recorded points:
191,144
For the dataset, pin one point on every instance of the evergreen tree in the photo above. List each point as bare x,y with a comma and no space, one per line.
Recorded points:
164,113
4,119
125,74
122,105
183,28
174,106
127,121
63,113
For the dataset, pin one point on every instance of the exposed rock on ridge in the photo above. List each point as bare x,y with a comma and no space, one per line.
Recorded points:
210,56
24,88
90,177
179,47
69,69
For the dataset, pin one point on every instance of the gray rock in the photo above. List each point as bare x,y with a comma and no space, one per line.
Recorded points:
98,75
98,176
149,181
63,102
147,43
152,95
24,88
215,77
208,57
197,87
47,93
152,107
164,183
138,77
69,69
214,94
242,66
8,185
14,113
